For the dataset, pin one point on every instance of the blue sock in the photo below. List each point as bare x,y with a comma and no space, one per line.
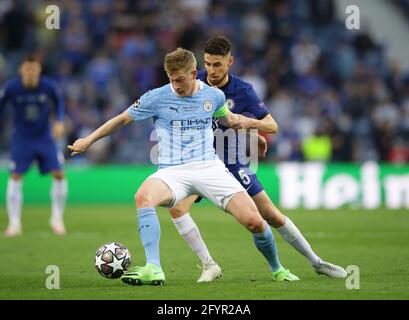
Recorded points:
266,244
149,232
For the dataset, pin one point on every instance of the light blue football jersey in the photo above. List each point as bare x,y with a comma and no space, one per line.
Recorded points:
183,124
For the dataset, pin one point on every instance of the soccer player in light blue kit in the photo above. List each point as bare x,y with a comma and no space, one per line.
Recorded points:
242,99
182,112
38,114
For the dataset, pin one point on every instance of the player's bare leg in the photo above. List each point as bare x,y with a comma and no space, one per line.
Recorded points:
14,204
242,207
291,234
188,229
151,194
58,200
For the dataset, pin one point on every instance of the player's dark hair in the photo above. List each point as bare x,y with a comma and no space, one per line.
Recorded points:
218,45
30,58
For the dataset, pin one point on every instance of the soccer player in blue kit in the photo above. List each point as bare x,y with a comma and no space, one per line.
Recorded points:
188,163
38,114
241,98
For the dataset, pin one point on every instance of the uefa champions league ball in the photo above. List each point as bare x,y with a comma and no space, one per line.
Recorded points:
112,260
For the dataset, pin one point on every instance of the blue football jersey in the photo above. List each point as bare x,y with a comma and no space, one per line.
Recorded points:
241,99
183,124
32,108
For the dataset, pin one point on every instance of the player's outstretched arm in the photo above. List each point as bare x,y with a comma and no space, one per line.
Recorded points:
58,130
81,145
235,121
267,124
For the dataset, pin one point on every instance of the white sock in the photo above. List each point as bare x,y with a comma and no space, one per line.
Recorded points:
14,202
59,192
293,236
190,232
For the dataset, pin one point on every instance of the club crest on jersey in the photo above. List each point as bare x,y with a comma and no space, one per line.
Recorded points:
42,98
208,105
230,103
136,104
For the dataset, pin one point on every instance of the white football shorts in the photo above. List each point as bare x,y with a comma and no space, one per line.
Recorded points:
209,179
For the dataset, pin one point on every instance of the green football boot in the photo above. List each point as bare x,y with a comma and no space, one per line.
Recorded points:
284,275
149,274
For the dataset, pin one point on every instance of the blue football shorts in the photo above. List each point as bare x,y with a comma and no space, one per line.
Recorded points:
43,151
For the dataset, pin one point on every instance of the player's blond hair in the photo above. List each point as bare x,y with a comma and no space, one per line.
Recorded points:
180,60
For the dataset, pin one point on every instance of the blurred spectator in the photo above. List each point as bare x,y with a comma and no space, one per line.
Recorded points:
99,20
14,25
251,75
343,60
317,147
322,11
305,55
399,152
76,44
255,29
283,23
101,71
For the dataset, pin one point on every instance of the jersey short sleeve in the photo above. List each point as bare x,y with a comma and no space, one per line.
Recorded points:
143,108
221,109
256,107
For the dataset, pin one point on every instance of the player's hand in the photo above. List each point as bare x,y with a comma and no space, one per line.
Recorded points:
262,146
241,122
79,146
58,130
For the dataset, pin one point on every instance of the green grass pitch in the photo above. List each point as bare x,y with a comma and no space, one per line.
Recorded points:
376,241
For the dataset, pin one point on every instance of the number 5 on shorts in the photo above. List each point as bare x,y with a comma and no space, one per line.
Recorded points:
244,177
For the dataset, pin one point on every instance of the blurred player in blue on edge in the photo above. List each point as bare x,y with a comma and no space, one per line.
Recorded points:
38,114
242,99
182,113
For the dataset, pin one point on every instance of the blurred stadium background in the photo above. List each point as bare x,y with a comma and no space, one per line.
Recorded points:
340,97
317,77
